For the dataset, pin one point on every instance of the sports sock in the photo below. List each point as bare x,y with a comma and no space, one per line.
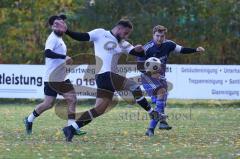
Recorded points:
32,116
142,101
153,124
75,125
87,117
70,122
160,105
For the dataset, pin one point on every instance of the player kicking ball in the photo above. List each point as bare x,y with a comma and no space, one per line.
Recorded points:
154,81
55,83
108,46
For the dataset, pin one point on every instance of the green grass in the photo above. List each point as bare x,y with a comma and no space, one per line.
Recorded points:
200,130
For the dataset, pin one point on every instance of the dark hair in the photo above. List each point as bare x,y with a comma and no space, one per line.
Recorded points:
54,17
125,23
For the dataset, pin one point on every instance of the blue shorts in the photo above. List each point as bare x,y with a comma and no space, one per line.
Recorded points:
152,85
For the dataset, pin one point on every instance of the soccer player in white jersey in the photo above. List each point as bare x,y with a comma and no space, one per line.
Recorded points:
108,46
55,83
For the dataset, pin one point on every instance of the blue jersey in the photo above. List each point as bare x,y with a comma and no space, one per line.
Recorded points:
161,51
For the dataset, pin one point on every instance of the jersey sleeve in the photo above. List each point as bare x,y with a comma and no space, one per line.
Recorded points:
175,48
95,34
126,47
50,43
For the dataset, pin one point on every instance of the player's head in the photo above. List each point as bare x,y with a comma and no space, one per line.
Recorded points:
54,20
159,34
122,29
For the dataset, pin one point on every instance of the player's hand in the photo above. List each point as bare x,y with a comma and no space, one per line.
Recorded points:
148,73
69,60
138,48
155,74
200,49
60,25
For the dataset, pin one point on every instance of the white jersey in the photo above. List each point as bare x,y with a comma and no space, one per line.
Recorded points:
55,68
107,50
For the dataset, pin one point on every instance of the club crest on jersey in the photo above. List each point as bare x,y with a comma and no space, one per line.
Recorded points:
110,45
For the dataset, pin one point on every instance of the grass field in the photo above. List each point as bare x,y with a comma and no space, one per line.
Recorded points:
208,129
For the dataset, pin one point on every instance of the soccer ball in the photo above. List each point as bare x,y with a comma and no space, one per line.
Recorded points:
152,65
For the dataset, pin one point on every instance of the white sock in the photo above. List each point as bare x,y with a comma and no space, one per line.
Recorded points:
74,124
31,117
150,111
70,121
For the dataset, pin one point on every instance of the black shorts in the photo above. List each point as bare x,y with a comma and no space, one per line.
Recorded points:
54,88
108,83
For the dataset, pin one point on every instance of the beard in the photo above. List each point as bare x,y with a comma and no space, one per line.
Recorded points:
58,33
118,38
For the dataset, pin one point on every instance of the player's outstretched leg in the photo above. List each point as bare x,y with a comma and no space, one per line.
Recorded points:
140,99
45,105
87,117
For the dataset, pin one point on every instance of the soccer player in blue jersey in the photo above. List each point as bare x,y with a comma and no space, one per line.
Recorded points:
155,83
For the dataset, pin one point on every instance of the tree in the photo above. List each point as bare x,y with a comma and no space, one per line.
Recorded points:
213,24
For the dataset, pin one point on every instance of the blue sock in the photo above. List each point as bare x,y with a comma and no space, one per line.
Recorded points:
160,105
153,123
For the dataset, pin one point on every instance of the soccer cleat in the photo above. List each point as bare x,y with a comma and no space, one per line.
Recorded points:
150,132
69,132
28,126
162,117
164,125
79,132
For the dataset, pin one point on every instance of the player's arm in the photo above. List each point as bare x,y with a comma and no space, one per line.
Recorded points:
185,50
78,36
141,60
61,25
50,54
137,51
93,35
140,64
